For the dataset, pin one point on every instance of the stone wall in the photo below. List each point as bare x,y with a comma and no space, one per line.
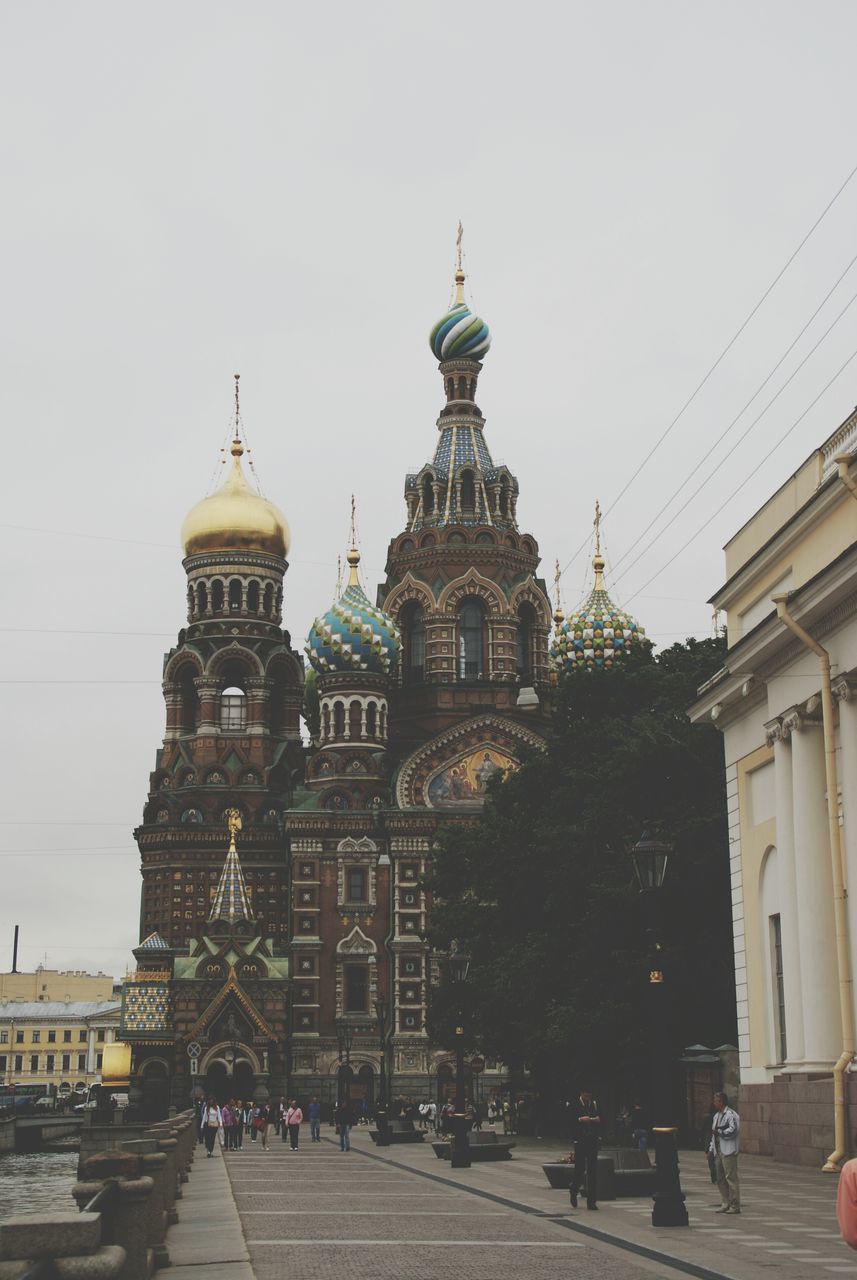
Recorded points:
791,1118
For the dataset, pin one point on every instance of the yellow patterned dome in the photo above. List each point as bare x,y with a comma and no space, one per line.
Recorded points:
235,518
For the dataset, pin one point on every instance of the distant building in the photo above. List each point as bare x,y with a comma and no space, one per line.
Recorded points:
54,984
55,1043
790,848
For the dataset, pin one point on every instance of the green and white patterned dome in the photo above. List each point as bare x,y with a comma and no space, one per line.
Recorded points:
598,634
353,635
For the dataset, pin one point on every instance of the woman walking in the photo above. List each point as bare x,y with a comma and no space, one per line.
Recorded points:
294,1120
212,1120
260,1124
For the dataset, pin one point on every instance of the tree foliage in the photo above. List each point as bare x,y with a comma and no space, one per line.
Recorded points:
541,890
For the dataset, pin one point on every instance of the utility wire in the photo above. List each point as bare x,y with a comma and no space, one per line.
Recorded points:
748,477
741,413
720,358
727,456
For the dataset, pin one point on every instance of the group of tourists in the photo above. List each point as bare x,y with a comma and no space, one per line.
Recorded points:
228,1123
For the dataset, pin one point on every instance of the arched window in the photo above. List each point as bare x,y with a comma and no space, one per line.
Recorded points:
233,710
190,604
356,988
253,597
355,884
504,497
190,699
217,596
339,719
202,599
526,637
414,647
234,595
371,720
468,493
268,606
471,645
428,496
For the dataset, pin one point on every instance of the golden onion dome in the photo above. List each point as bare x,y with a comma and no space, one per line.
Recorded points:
235,518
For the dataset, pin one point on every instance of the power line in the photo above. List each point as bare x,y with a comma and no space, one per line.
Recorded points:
748,477
741,413
720,358
727,456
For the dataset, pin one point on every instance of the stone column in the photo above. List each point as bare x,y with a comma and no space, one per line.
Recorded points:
209,697
258,695
845,691
779,738
168,1145
814,885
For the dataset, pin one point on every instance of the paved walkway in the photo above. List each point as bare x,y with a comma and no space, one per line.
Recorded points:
400,1212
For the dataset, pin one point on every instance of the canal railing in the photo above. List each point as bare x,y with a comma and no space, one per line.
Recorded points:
127,1196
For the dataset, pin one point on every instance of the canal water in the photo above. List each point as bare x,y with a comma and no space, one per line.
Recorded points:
39,1182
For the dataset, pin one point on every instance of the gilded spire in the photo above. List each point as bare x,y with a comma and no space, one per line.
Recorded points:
459,269
231,902
558,615
353,554
598,559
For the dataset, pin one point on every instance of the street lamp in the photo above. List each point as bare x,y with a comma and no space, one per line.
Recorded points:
459,967
383,1139
650,856
345,1036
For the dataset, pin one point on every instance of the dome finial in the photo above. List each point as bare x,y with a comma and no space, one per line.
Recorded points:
558,615
459,269
237,447
353,554
598,559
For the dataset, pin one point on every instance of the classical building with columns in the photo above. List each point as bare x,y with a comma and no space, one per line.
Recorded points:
786,703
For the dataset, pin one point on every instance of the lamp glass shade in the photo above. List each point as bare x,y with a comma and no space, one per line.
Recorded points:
650,857
459,966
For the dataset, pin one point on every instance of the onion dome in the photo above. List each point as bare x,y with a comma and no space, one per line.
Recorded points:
595,635
460,334
353,635
236,518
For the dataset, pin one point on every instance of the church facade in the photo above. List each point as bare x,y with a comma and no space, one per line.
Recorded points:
412,704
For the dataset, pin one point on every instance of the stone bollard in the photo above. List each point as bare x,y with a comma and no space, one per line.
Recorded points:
169,1146
168,1129
126,1222
153,1165
72,1241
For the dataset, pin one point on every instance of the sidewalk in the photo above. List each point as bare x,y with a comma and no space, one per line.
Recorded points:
207,1242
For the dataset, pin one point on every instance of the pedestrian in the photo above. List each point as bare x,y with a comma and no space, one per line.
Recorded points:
725,1130
587,1132
260,1123
247,1121
200,1119
279,1110
228,1118
639,1127
211,1123
432,1116
238,1113
344,1117
294,1119
313,1114
846,1203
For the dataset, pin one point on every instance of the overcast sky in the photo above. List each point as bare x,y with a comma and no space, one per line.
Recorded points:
195,189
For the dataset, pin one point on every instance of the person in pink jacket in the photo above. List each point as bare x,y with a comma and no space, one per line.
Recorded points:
846,1203
294,1120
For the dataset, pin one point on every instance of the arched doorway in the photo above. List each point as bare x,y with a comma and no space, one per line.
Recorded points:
155,1091
363,1092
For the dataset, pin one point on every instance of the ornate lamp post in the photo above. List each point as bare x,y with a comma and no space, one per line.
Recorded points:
459,966
345,1037
650,856
381,1113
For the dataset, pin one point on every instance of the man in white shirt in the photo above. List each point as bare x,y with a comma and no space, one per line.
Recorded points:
725,1128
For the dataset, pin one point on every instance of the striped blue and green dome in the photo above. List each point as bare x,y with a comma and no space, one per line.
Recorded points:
353,635
597,634
460,334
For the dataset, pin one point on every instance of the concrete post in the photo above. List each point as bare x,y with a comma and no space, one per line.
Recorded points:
71,1240
169,1146
153,1164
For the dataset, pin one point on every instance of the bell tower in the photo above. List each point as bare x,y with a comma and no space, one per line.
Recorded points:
233,689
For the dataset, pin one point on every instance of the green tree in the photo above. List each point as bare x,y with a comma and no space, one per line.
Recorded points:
541,891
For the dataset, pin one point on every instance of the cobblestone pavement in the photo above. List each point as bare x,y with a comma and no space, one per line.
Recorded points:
319,1213
401,1212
